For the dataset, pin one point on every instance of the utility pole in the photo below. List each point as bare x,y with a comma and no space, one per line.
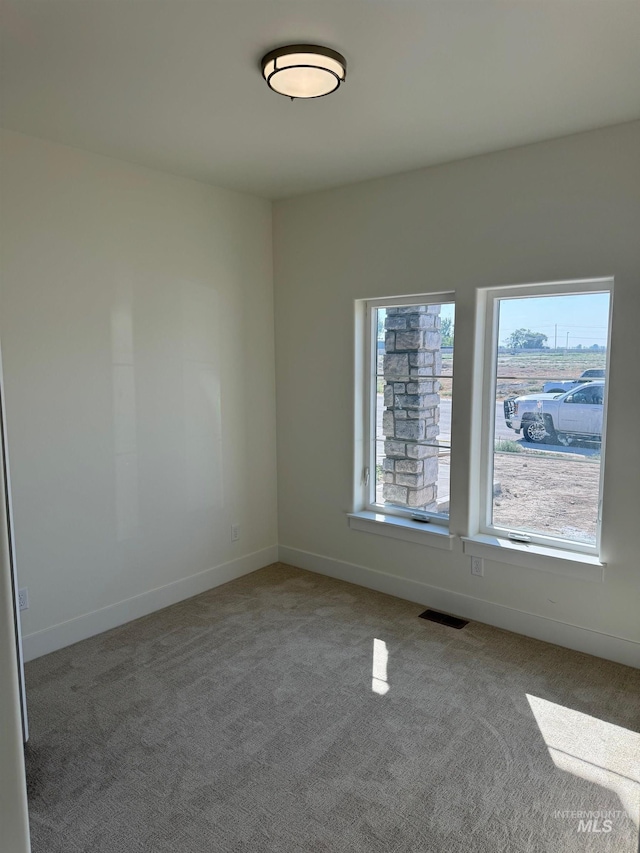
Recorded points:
555,338
567,341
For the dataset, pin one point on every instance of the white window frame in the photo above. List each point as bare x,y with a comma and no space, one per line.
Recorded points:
365,506
491,297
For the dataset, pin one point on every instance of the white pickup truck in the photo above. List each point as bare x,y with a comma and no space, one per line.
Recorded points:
557,386
575,415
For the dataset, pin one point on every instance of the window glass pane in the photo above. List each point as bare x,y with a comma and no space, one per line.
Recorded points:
413,387
551,360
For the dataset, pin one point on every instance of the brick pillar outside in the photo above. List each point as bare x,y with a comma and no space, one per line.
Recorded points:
412,359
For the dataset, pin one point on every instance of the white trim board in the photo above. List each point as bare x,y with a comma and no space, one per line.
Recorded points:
573,637
90,624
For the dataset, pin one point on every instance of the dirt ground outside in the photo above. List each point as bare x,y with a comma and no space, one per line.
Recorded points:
547,493
525,372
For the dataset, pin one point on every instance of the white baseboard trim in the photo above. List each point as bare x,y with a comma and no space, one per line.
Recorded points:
574,637
89,624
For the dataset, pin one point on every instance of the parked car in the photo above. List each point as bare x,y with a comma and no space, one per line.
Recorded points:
557,386
575,415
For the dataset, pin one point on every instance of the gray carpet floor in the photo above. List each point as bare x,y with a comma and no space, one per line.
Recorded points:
286,711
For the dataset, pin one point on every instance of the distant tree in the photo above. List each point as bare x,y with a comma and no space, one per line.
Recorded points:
534,340
380,326
525,339
516,339
446,330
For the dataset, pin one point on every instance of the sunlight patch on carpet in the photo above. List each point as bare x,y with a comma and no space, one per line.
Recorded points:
379,683
592,749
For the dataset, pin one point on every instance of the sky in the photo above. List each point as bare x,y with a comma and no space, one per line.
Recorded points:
583,317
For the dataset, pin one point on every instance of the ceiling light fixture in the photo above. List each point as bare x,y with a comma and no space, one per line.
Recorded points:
304,70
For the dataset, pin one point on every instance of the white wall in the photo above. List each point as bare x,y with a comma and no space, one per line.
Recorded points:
136,320
561,210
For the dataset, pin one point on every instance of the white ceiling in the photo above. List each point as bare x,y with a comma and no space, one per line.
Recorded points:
175,84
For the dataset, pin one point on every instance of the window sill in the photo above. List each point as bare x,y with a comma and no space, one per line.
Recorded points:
529,556
397,527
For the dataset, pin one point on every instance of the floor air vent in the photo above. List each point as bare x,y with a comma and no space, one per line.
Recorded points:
444,619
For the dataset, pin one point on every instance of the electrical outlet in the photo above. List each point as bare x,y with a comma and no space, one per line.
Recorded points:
477,566
235,532
23,598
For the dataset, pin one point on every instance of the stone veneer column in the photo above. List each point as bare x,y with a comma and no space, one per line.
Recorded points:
412,359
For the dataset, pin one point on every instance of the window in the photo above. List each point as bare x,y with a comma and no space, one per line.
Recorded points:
546,354
591,395
407,423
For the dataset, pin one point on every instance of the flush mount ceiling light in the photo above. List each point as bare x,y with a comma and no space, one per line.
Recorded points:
304,70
